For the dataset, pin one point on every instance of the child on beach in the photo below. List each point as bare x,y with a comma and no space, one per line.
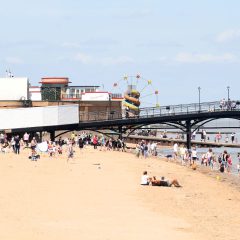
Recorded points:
229,163
238,165
70,150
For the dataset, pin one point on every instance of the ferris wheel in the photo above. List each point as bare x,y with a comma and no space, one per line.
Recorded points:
138,92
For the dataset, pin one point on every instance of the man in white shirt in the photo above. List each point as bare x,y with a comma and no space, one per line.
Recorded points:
145,180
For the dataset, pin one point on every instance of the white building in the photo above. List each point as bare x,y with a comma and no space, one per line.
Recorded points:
14,88
35,93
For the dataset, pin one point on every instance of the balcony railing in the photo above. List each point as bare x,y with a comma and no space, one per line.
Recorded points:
72,96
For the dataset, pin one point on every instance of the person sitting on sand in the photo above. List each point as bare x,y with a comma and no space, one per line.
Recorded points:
34,156
145,179
164,182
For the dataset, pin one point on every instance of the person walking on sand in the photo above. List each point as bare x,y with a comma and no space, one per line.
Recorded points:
229,163
238,165
69,150
95,142
17,144
194,156
33,143
175,150
26,139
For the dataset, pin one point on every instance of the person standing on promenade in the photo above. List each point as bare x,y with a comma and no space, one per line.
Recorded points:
232,137
218,137
194,134
226,139
204,135
223,104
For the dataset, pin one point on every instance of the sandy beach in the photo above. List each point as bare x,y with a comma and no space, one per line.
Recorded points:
97,195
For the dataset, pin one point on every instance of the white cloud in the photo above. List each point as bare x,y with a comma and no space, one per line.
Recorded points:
87,59
84,58
228,35
71,45
133,13
13,60
204,58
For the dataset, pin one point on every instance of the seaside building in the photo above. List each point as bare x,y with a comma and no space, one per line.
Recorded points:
35,93
14,88
17,92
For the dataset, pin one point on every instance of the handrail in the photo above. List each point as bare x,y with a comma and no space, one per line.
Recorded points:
170,110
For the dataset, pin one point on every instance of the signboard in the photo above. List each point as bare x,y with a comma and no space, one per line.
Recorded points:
95,96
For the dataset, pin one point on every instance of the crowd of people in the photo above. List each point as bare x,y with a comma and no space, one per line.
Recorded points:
146,148
222,161
16,144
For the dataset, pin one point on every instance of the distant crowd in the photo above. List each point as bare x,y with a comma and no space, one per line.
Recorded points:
222,162
16,144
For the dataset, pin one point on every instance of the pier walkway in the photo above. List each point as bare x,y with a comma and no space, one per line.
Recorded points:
186,117
171,141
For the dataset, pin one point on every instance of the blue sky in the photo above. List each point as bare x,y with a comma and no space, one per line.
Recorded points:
179,45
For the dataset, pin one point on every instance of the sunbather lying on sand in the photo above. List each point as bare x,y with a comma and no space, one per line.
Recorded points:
164,182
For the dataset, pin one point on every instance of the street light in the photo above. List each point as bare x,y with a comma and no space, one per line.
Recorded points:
228,88
110,105
199,99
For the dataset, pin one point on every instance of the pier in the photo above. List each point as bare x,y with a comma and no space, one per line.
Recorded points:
171,141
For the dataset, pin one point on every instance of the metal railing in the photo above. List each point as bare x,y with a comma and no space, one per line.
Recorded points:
170,110
72,96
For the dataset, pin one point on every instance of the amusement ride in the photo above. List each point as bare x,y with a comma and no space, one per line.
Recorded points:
140,92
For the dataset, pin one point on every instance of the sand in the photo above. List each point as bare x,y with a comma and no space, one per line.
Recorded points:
97,195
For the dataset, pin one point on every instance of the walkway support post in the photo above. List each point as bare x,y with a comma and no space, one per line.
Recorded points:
188,131
41,136
52,135
120,132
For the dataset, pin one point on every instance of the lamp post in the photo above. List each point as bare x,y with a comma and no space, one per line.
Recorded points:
110,105
199,99
228,88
